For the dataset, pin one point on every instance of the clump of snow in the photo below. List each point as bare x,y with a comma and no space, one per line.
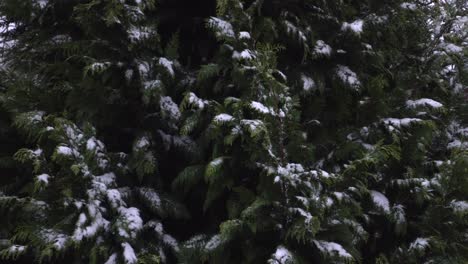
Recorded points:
252,125
56,239
307,83
259,107
245,54
42,3
195,101
281,256
398,123
151,196
129,222
409,6
128,253
244,35
452,48
223,118
380,200
36,116
292,29
169,108
114,197
222,28
322,48
137,34
168,65
332,248
459,206
419,244
143,68
94,145
142,143
355,26
213,243
65,151
112,259
44,178
423,102
347,76
15,249
106,179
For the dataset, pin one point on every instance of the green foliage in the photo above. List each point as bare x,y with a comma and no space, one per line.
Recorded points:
233,131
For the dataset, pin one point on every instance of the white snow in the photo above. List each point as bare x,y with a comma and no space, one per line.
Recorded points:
16,249
151,196
195,101
332,248
452,48
292,29
106,179
213,243
223,118
245,54
168,65
53,237
307,83
423,102
141,143
131,221
244,35
138,34
128,253
398,123
347,76
42,3
223,28
259,107
114,197
169,107
459,206
66,151
322,48
380,200
252,125
409,6
36,117
281,256
419,244
44,178
112,259
355,26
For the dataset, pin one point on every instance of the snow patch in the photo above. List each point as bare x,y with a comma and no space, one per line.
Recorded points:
223,118
307,83
128,253
168,65
355,26
169,108
423,102
259,107
347,76
322,48
409,6
380,200
223,28
244,35
419,244
281,256
332,248
44,178
65,151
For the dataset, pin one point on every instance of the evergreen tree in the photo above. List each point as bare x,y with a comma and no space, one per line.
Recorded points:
233,131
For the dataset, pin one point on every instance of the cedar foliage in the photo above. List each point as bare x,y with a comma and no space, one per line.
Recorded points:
233,131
